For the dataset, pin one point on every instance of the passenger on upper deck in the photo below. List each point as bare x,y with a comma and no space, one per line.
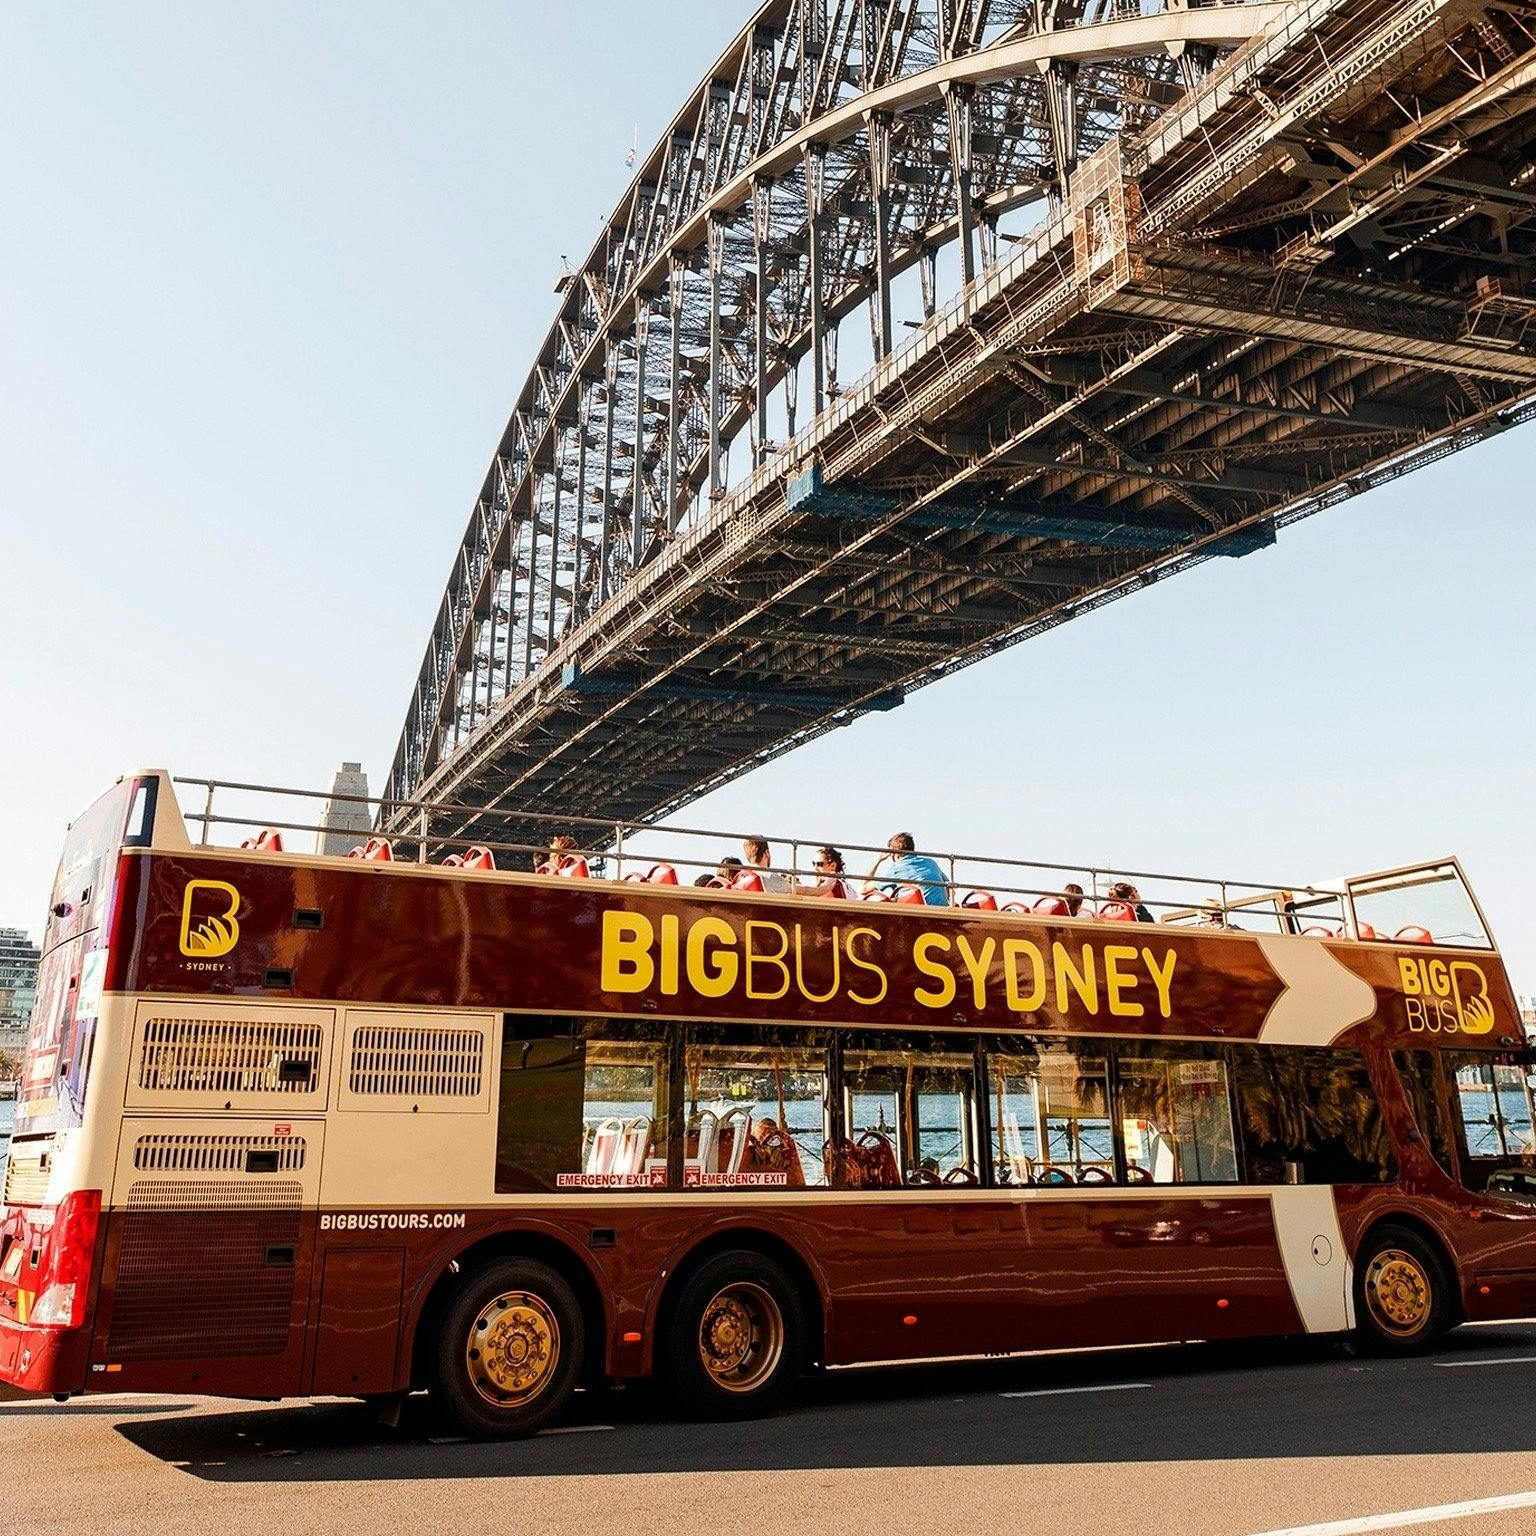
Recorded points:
913,868
1123,890
759,857
829,876
559,855
1074,895
729,868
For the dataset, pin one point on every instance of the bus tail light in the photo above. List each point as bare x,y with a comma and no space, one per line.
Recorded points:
63,1277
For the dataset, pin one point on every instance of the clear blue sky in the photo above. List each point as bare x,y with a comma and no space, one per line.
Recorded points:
271,279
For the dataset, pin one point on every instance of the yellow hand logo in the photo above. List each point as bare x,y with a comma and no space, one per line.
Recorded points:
216,934
1475,1008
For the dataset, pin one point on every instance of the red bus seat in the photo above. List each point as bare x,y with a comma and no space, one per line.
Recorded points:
1051,906
479,858
265,841
979,901
1365,931
376,848
874,893
1117,912
1319,933
453,861
910,896
747,880
1414,934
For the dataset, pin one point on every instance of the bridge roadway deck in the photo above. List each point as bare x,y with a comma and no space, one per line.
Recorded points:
1303,279
1192,1442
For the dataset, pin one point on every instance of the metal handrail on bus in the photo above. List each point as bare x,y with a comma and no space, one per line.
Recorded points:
1230,898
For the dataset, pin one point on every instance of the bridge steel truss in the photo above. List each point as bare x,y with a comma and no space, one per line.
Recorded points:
1277,254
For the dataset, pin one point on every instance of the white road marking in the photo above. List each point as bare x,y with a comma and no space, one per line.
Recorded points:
1119,1386
1456,1365
576,1429
1405,1517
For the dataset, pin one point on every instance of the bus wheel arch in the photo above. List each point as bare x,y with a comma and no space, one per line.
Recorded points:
766,1244
540,1247
1400,1246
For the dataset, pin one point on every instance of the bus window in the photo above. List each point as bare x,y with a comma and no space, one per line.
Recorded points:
584,1109
756,1114
1175,1108
1432,899
1050,1114
911,1116
1495,1098
1310,1117
1419,1072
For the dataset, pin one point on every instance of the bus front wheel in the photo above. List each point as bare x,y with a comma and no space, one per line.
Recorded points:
509,1350
737,1341
1402,1295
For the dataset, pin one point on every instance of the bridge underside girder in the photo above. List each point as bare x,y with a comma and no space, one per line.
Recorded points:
1306,276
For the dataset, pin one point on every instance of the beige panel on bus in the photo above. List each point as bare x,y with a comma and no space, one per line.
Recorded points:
229,1055
218,1164
416,1062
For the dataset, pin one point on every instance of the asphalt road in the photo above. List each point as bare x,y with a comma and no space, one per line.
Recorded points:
1195,1441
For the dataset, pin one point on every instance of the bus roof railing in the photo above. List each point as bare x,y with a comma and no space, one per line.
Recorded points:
1222,900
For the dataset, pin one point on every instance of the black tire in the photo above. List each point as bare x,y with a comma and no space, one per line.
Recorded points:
1403,1299
736,1341
533,1324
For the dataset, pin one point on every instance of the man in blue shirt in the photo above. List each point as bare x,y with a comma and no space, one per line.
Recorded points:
909,867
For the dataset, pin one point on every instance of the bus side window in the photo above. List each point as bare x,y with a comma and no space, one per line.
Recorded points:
1049,1104
1419,1072
910,1114
582,1110
756,1114
1175,1109
1495,1106
1310,1116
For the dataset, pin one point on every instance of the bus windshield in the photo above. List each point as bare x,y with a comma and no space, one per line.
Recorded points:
69,978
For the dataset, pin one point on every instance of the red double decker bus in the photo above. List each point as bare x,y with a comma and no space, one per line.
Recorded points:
298,1125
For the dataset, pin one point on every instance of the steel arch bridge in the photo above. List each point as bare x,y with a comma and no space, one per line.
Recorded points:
1128,283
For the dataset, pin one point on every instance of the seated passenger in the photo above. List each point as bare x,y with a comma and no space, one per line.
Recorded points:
760,857
829,876
559,855
910,867
1123,890
1074,895
727,870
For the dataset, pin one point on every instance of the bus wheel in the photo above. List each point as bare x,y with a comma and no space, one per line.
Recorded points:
509,1350
737,1341
1402,1296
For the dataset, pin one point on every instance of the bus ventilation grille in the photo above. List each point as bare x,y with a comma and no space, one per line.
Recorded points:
26,1179
229,1056
218,1154
194,1275
417,1063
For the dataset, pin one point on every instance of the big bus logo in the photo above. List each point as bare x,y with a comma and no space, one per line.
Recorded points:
209,927
1444,996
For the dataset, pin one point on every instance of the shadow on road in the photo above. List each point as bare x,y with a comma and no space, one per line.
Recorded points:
1201,1402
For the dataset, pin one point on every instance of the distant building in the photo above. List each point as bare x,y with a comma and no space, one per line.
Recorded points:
346,822
18,986
1527,1007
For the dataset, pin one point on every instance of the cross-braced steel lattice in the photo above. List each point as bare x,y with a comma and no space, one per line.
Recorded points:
1129,284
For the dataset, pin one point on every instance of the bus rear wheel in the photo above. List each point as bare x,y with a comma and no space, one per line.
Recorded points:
1402,1294
737,1341
509,1350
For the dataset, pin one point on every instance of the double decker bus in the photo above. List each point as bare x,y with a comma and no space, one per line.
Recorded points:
300,1125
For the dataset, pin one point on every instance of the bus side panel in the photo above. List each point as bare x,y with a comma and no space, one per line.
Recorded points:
208,1301
1051,1273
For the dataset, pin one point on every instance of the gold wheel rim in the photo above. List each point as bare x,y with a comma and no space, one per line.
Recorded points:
1398,1292
741,1337
512,1349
